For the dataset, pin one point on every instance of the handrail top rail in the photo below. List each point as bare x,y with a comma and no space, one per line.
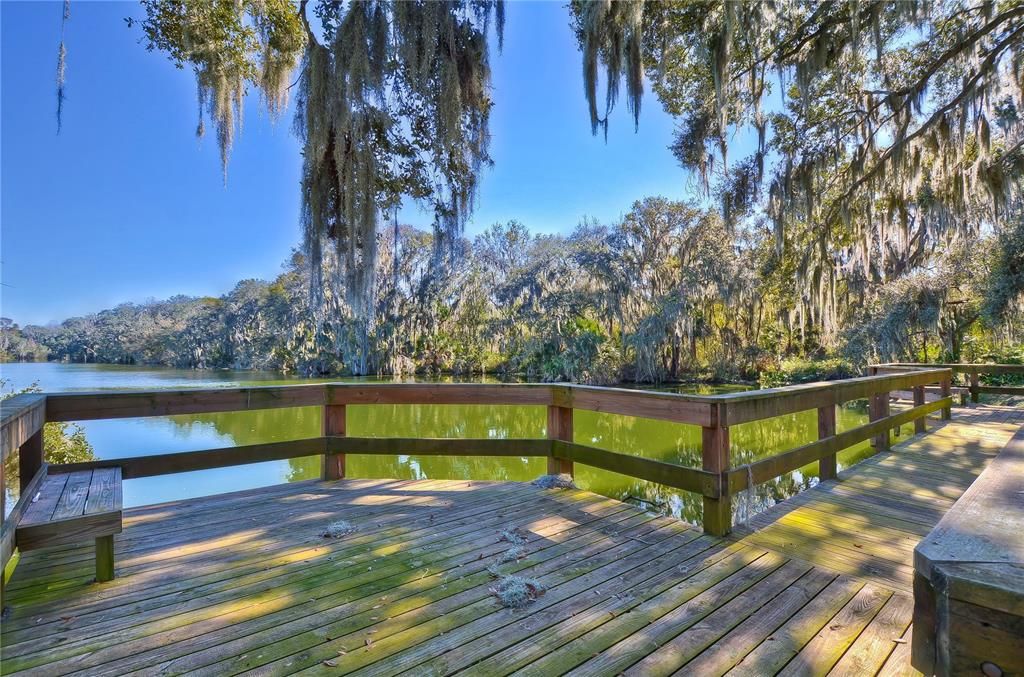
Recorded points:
16,405
817,386
983,367
703,410
719,398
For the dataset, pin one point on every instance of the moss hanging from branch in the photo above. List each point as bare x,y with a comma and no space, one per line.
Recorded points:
228,44
62,55
610,33
893,125
393,102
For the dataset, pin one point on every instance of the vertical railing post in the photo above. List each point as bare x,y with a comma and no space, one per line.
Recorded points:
878,408
30,458
946,390
715,456
826,429
920,423
332,424
559,428
975,385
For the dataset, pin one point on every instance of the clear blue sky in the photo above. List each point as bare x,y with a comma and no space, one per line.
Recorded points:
127,205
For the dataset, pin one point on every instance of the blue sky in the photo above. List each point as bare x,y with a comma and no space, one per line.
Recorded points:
127,205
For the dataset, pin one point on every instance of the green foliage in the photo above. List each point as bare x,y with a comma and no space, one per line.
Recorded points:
16,346
942,302
228,44
393,101
1004,297
801,370
66,443
662,294
62,442
876,132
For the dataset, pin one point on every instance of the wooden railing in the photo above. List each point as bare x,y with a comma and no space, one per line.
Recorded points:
23,417
973,372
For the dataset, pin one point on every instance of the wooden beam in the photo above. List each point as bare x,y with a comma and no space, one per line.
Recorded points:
10,522
559,428
68,531
963,367
794,459
761,404
669,474
878,409
21,417
439,393
695,410
421,446
827,429
946,390
30,458
717,519
187,461
1001,390
920,423
332,424
97,405
104,559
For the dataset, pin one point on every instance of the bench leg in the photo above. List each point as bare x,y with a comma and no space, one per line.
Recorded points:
104,559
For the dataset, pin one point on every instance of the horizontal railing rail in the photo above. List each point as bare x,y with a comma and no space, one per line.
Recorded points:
974,372
22,419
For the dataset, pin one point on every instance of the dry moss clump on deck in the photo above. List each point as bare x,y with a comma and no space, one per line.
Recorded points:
563,481
514,535
338,529
513,554
515,592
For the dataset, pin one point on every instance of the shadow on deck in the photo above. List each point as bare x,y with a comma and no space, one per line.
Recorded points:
245,582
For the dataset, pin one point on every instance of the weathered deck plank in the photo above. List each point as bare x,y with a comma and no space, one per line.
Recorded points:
244,583
867,522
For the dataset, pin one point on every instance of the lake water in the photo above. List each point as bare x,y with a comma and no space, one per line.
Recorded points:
672,442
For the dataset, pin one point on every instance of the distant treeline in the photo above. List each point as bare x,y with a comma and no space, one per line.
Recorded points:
664,293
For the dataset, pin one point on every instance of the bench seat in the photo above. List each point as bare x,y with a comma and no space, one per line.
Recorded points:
969,577
70,507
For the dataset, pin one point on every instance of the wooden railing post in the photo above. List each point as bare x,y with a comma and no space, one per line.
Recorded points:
975,384
559,428
946,388
878,409
920,423
826,429
715,456
332,424
30,458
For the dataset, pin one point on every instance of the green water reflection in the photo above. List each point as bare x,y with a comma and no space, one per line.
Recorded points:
671,442
660,440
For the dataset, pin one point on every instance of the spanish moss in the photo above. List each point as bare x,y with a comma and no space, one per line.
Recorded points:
394,102
62,55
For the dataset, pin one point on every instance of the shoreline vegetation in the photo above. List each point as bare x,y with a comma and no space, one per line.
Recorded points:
663,295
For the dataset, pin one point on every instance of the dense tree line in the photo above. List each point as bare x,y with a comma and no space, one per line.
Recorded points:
664,293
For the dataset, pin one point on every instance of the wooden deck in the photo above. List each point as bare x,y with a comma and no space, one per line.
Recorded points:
246,583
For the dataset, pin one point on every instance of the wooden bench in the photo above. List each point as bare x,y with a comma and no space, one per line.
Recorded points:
70,507
969,577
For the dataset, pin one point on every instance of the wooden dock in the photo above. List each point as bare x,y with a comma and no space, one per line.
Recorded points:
245,582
